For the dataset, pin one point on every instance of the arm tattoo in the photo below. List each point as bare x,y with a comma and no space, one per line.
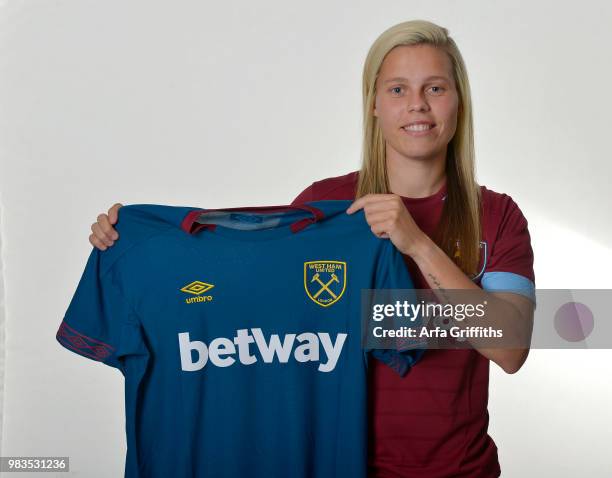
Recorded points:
435,280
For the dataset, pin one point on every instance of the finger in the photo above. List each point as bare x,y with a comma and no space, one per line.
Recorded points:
105,225
94,241
360,203
113,212
380,229
383,221
113,216
379,216
101,235
383,205
366,200
356,205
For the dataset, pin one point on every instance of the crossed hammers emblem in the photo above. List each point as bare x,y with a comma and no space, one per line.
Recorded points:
324,285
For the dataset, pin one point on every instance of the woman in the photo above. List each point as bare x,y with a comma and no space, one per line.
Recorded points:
417,187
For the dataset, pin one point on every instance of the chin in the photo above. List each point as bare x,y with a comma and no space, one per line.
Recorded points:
418,154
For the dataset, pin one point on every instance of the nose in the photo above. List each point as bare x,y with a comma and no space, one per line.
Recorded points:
416,101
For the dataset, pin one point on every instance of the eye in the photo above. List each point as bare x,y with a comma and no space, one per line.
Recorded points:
438,89
395,88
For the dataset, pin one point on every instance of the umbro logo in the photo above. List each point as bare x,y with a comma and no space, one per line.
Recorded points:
197,288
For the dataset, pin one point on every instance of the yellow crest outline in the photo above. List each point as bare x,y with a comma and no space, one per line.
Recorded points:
306,283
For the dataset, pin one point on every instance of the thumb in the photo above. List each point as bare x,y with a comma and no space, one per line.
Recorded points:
113,213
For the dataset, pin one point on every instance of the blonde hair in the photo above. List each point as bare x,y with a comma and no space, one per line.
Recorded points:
458,232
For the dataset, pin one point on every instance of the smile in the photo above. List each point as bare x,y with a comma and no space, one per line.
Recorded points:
418,129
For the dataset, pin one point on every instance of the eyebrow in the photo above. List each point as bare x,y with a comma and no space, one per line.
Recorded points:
429,78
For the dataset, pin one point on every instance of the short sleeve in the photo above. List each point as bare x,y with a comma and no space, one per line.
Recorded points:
510,263
99,323
305,196
392,273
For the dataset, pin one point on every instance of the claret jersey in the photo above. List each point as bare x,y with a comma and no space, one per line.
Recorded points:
434,422
238,334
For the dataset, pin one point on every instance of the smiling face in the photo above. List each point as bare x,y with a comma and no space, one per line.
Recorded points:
416,102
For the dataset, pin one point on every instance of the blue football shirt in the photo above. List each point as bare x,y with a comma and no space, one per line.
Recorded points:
238,334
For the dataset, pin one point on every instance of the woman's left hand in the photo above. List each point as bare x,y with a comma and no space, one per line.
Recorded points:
389,218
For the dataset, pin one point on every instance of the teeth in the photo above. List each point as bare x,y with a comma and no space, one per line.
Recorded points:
418,127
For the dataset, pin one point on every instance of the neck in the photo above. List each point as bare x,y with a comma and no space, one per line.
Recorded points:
415,178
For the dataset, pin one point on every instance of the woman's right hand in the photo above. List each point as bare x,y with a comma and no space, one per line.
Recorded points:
103,233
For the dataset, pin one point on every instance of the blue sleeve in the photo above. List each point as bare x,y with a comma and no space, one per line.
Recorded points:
99,323
509,266
392,273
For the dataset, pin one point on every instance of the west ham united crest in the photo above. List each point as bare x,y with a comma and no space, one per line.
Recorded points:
325,281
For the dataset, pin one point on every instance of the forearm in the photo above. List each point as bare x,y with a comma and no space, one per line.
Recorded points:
443,275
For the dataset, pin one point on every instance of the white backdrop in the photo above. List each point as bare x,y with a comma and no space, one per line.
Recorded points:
246,103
